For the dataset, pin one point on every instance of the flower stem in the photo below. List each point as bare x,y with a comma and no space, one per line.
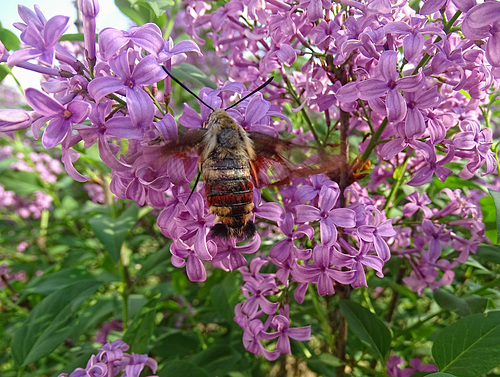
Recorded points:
374,140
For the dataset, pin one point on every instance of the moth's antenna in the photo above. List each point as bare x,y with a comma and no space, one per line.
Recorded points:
255,91
186,88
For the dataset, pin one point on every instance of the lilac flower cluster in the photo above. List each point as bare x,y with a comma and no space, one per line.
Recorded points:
399,76
32,205
394,370
112,360
6,276
407,78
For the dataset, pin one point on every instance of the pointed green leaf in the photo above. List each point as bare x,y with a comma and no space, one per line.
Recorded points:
140,331
367,327
9,39
112,232
182,368
21,182
469,347
50,322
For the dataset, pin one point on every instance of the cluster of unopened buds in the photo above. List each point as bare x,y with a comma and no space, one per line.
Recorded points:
406,92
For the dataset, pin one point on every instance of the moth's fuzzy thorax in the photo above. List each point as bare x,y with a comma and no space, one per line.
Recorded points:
225,137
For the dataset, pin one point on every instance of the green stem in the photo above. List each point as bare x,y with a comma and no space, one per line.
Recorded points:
322,318
303,112
374,140
395,188
447,27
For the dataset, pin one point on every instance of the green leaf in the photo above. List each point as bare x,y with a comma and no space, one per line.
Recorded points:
219,359
50,322
491,253
140,331
221,295
51,282
439,374
4,71
182,368
496,198
159,7
463,306
470,346
76,37
324,364
190,73
7,162
112,232
9,39
21,182
367,327
142,11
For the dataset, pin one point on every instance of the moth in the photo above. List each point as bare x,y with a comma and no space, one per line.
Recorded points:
232,161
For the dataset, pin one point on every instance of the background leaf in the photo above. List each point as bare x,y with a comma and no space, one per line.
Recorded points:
367,327
50,322
112,232
470,346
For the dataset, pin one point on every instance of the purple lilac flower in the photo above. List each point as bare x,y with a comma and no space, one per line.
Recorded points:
60,117
41,41
146,72
112,359
329,217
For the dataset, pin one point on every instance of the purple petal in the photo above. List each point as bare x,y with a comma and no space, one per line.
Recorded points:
493,50
55,132
102,86
42,103
14,119
123,127
422,176
381,248
386,229
396,106
54,29
187,46
286,54
328,232
256,109
306,213
314,10
69,156
413,46
392,148
271,211
483,14
195,269
348,93
149,37
79,111
148,71
110,41
365,232
371,88
431,6
22,55
414,123
300,333
140,106
327,198
410,83
387,66
343,217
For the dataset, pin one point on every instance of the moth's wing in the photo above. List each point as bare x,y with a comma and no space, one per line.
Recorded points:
278,161
187,144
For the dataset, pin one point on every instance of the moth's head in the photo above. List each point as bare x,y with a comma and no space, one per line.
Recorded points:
224,132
